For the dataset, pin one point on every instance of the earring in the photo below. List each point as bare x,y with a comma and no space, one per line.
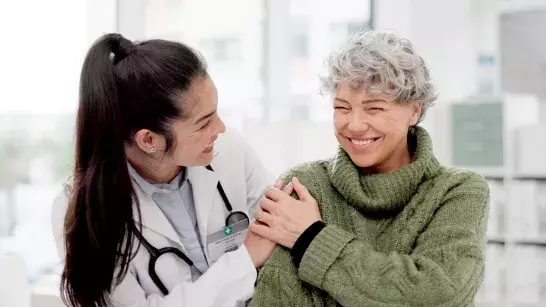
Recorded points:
152,150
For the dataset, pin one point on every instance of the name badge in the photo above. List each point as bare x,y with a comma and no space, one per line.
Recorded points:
227,239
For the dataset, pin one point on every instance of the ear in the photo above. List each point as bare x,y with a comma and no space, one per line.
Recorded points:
417,108
148,141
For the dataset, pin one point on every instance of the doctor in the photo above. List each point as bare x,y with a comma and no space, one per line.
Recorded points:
157,212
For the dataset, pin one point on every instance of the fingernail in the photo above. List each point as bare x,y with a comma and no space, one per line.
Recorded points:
278,184
295,179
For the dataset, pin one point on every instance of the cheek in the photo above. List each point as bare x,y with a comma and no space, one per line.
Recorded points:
189,145
198,142
390,124
340,122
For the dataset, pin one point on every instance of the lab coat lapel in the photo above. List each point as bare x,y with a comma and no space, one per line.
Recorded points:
152,217
204,184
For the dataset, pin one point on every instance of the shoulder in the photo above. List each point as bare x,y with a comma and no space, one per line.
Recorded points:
313,175
229,151
465,179
230,141
457,184
307,171
58,212
60,203
458,198
231,148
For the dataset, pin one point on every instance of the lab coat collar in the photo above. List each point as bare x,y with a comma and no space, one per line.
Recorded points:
149,188
204,184
151,216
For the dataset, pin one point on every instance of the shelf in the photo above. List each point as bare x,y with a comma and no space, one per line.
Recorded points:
495,240
530,177
537,241
504,304
491,176
518,241
498,173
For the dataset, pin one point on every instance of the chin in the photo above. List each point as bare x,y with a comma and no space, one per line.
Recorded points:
363,160
205,158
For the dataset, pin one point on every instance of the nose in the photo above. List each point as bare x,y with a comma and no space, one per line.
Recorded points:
221,126
358,122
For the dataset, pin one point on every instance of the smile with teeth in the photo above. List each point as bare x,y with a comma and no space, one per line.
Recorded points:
362,142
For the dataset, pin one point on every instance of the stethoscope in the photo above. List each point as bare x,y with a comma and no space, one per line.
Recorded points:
232,218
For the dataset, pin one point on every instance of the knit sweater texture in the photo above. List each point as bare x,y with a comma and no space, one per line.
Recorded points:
415,237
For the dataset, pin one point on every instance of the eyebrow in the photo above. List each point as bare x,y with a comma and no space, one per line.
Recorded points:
341,100
363,101
205,117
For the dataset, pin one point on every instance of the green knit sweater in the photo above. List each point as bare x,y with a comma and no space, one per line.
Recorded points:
415,237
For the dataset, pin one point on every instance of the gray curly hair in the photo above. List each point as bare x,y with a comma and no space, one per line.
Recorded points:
385,64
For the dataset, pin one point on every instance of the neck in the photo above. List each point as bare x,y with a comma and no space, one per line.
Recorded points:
386,193
154,170
398,159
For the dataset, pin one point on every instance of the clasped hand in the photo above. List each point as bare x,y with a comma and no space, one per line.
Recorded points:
283,219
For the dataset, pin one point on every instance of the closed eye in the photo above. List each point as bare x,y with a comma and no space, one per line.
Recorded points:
206,124
376,109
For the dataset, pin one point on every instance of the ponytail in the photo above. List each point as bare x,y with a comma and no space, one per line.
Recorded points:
99,219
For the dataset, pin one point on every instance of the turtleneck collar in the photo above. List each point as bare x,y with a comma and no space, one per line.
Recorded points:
384,193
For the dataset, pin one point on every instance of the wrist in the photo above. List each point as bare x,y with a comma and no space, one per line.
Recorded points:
304,240
251,256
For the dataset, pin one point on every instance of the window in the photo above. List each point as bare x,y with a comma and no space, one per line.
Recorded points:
300,37
41,66
221,49
300,45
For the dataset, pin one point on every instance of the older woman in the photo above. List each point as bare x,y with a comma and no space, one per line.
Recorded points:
382,223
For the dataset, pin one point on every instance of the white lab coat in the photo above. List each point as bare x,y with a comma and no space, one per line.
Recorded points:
230,280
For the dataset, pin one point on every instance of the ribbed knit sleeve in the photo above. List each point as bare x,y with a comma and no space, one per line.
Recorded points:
280,287
445,268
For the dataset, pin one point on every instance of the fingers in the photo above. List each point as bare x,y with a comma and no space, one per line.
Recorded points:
263,217
289,188
262,230
268,205
275,194
303,192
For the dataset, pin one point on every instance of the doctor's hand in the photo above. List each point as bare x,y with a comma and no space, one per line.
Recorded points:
258,247
282,218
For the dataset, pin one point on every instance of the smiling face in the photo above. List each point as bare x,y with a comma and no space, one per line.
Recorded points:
192,136
195,136
373,129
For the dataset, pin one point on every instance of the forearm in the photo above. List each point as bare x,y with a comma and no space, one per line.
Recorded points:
279,287
352,272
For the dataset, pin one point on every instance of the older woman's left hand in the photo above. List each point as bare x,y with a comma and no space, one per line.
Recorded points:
282,218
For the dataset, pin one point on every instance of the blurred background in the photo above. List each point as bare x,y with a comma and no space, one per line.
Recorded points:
487,58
